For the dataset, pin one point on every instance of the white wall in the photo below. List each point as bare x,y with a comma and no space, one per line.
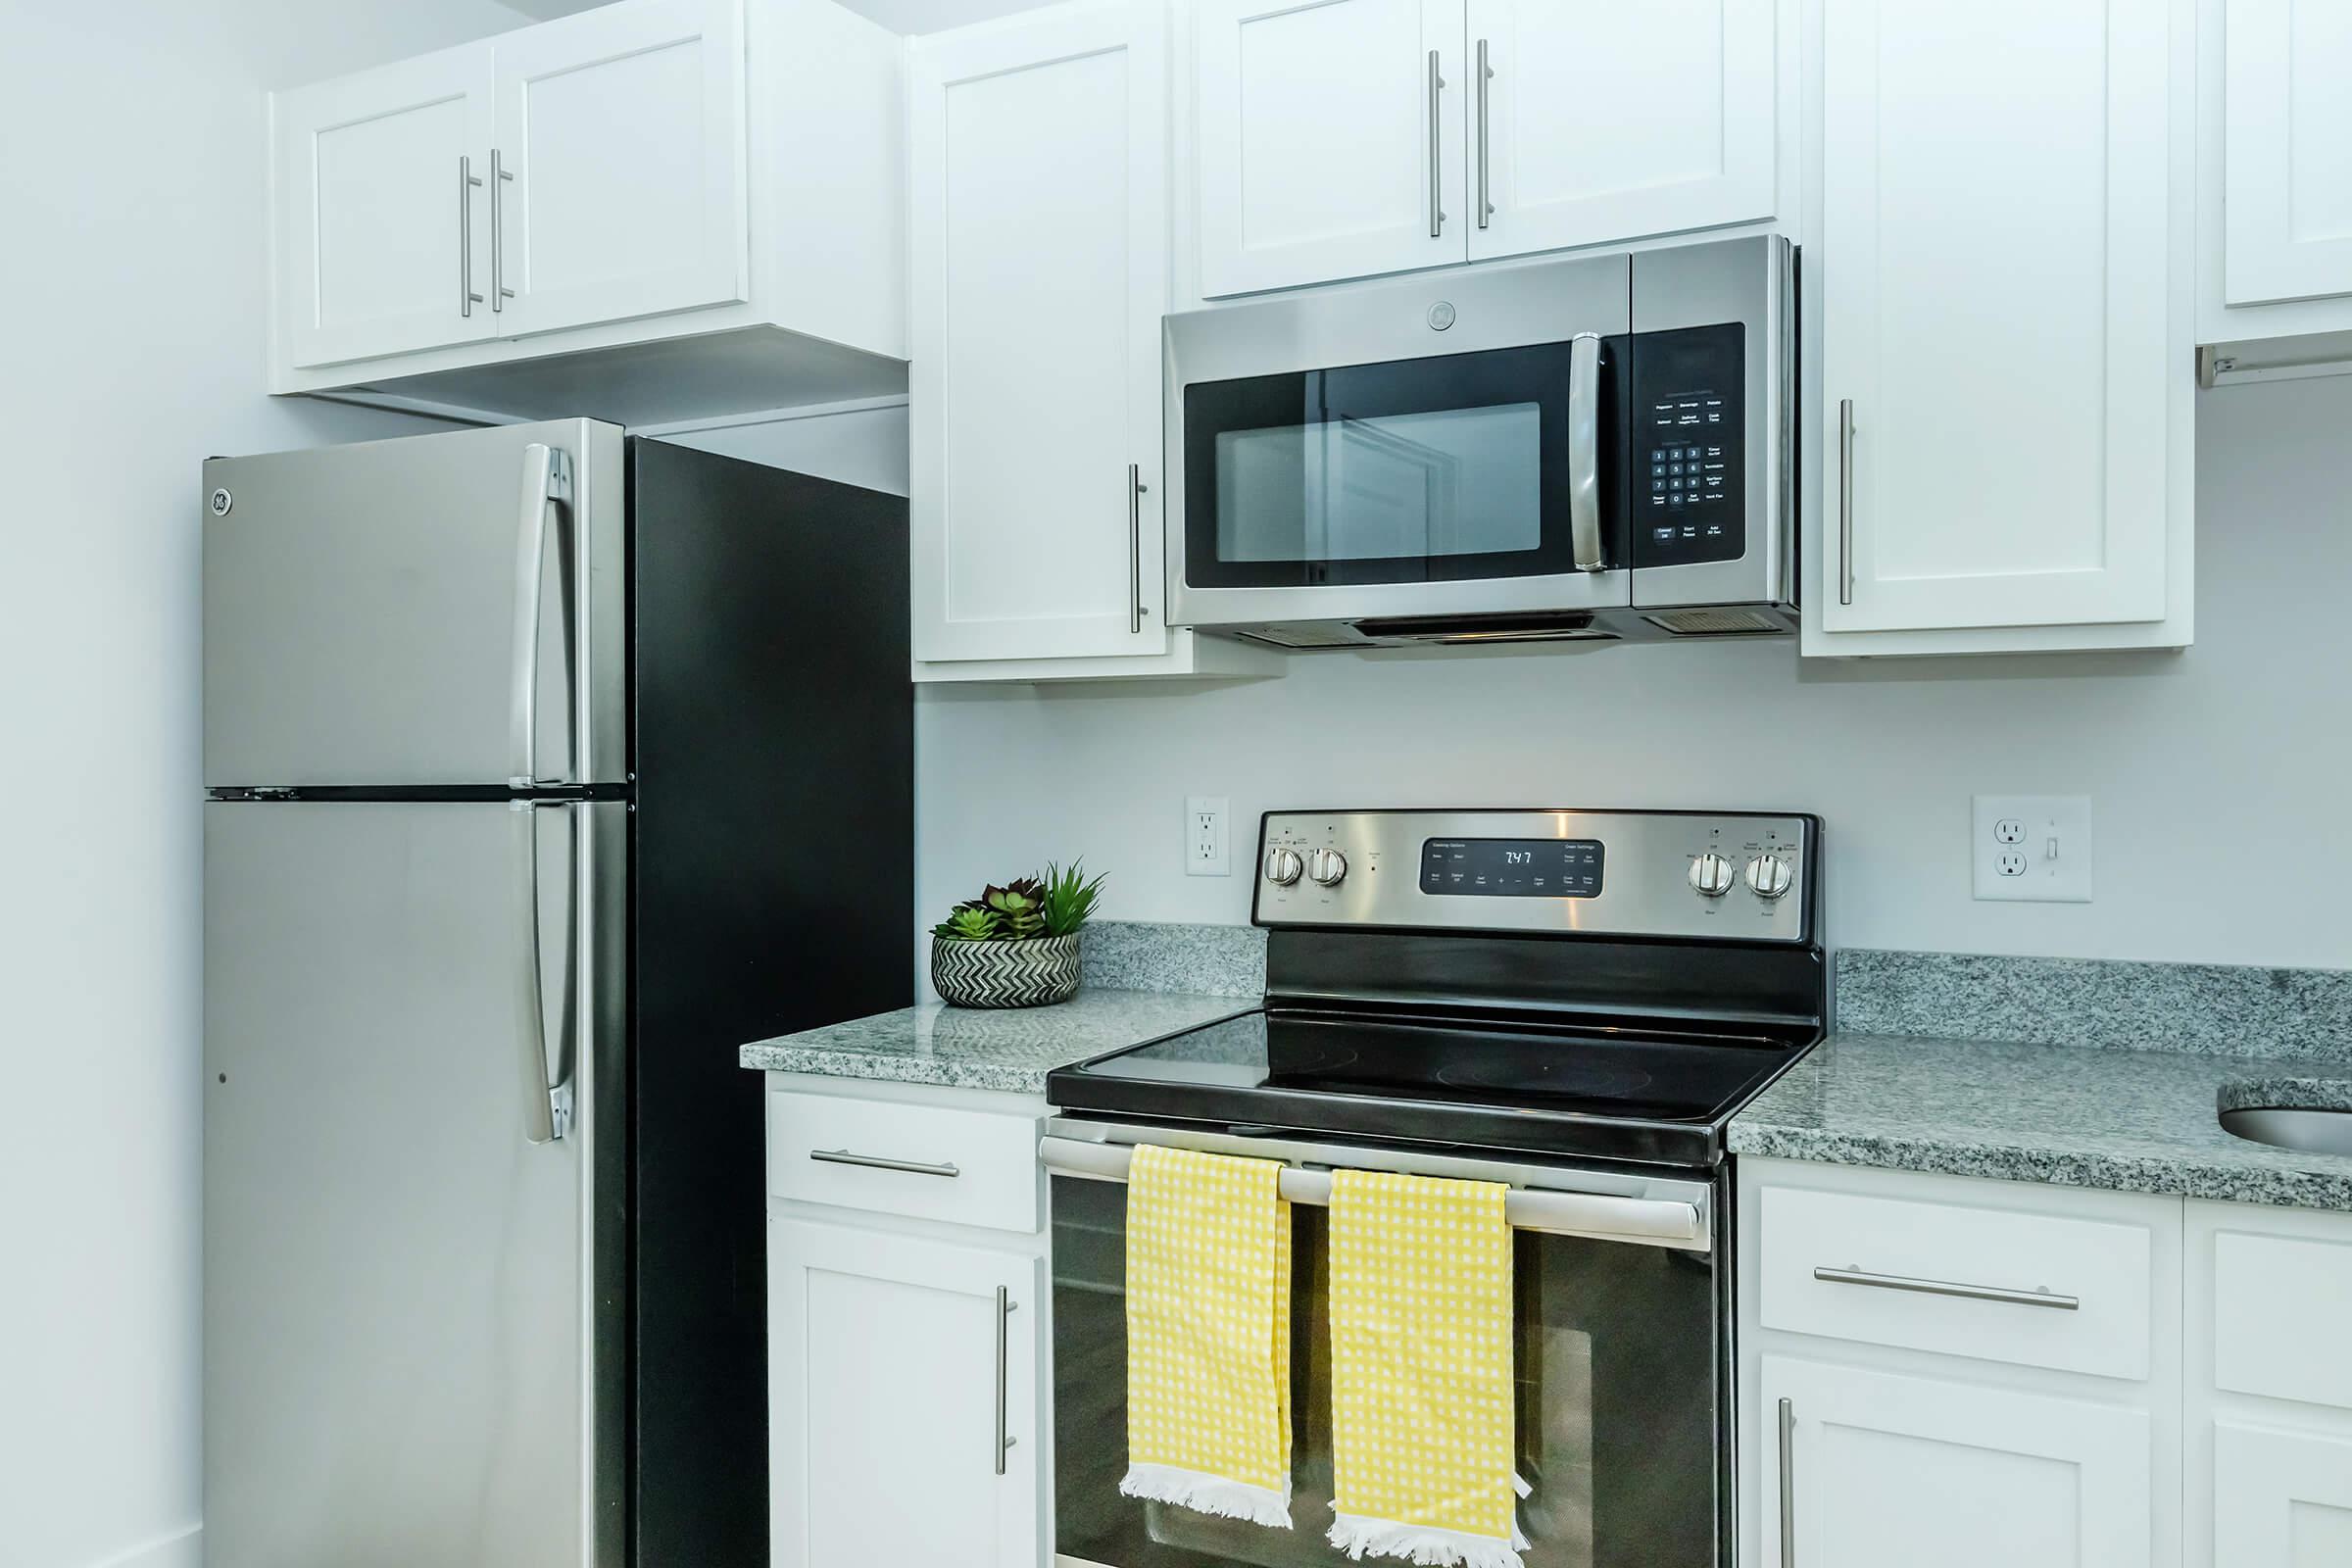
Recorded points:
2218,776
134,266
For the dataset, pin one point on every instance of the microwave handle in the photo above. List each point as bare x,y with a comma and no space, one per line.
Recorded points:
1584,451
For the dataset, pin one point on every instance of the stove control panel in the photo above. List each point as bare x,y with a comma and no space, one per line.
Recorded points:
1730,875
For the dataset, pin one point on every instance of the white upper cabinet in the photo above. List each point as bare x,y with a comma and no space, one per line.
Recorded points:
1599,121
650,211
1329,139
380,239
620,145
1039,252
2288,135
2004,429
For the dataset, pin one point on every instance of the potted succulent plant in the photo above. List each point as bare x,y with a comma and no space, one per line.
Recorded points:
1014,946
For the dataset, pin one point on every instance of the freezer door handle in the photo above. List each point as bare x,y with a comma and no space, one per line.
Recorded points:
546,483
546,1103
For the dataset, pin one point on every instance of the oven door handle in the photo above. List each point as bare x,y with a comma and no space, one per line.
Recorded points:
1584,451
1601,1216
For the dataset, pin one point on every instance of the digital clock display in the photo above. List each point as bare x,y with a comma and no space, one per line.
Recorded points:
1512,868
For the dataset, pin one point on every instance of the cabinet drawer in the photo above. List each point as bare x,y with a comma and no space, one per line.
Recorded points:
2034,1290
2278,1316
964,1167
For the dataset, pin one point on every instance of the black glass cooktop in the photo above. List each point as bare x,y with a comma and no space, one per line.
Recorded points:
1621,1090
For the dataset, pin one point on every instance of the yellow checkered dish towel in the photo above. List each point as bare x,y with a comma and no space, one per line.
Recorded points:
1422,1426
1208,1334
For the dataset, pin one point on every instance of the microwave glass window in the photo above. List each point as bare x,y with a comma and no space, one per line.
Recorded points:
1448,482
1452,468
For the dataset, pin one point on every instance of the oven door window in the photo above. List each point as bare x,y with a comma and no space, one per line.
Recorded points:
1617,1372
1415,470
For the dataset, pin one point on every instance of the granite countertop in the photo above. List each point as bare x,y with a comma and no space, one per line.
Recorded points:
2140,1121
1009,1049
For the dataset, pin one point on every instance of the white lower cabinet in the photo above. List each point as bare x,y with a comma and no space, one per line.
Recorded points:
903,1385
1881,1469
906,1355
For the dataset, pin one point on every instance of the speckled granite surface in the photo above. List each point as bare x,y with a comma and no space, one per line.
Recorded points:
1011,1049
1212,960
2141,1121
2221,1009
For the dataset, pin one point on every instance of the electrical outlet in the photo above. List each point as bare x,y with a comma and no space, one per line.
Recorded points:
1205,853
2032,848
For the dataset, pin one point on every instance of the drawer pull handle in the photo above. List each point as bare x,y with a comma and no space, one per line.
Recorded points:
2041,1295
912,1167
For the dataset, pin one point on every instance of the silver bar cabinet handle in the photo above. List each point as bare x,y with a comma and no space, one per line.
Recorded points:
1006,1308
468,299
1134,546
546,482
1787,1484
1584,451
1437,193
1483,74
2043,1297
500,174
547,1103
1846,501
912,1167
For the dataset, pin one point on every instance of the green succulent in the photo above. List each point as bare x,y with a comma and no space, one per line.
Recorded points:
1025,909
1067,898
967,924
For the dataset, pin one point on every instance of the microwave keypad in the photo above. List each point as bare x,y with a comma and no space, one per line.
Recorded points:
1690,504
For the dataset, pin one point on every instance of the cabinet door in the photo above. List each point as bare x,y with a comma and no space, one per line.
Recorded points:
1602,121
1039,249
902,1399
380,242
2287,203
1998,310
1330,137
621,187
1883,1469
2281,1499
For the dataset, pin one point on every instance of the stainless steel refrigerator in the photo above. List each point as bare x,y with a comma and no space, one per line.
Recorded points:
544,766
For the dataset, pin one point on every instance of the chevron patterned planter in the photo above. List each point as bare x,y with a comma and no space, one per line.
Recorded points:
1005,974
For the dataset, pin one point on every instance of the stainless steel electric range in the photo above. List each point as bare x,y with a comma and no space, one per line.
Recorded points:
1570,1002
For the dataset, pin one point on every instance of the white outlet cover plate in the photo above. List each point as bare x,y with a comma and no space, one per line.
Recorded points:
2056,844
1218,810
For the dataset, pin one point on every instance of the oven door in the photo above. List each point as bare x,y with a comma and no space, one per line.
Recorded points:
1619,1364
1417,448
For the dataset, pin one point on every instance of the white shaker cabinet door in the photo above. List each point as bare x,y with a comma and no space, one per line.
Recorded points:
1599,121
619,189
1878,1470
1329,138
2280,1498
903,1381
1999,444
380,230
1039,249
2287,188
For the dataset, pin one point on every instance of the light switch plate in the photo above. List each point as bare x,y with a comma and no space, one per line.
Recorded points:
2034,849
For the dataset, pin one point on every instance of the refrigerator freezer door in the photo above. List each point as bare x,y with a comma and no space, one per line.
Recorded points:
414,1348
441,609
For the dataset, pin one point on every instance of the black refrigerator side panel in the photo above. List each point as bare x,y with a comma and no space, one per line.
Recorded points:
774,757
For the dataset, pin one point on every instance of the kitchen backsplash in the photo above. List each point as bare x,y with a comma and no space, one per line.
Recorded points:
1216,961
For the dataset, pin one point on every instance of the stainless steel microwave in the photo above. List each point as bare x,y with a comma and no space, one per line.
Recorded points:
1593,447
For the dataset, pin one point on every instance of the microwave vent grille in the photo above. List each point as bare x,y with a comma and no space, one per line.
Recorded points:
1717,622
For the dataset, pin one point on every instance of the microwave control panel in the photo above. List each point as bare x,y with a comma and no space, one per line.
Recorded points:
1689,477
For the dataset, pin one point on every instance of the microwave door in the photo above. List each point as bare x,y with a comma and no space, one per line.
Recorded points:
1348,458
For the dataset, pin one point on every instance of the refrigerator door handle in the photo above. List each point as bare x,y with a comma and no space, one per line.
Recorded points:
546,482
546,1104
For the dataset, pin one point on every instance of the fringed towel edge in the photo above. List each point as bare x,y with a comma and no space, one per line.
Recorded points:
1359,1537
1213,1495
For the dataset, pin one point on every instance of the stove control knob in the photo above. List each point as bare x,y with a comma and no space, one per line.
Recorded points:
1283,866
1712,874
1769,876
1326,867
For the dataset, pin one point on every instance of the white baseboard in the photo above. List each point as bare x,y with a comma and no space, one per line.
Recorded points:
182,1548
